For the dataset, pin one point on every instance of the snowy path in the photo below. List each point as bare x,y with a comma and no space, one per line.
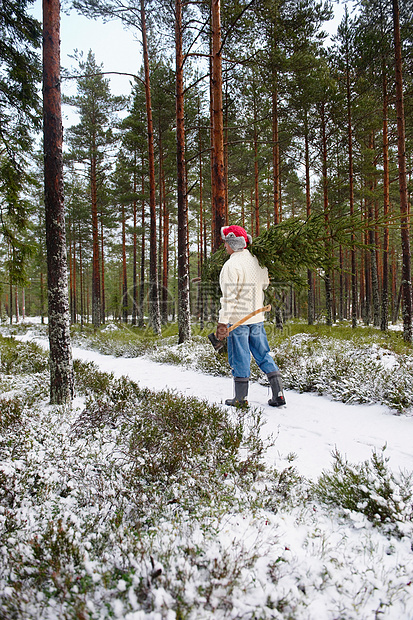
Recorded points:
310,426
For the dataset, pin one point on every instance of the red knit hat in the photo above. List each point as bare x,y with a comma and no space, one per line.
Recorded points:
236,236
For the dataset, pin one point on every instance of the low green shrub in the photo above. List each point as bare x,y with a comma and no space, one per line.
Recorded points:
10,412
116,339
345,371
370,488
21,358
89,379
197,354
284,489
164,433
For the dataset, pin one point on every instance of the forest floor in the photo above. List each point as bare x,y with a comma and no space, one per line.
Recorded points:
148,499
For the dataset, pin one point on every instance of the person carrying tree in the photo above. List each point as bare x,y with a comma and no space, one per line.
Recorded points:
243,281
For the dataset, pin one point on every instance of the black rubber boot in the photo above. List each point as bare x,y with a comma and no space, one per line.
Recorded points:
278,398
241,392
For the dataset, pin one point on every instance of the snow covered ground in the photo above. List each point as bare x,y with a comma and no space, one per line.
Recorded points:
310,426
312,563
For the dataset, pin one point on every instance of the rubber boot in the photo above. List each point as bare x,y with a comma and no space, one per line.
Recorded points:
241,392
278,398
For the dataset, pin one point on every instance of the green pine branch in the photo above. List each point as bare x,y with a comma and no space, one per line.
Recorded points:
289,248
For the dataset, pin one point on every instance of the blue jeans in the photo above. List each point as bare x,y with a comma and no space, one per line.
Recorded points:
247,339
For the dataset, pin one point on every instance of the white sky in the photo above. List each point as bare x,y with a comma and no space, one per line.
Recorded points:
117,48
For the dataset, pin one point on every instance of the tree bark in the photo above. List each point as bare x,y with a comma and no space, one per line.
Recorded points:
341,285
74,318
70,263
184,323
165,260
82,311
386,207
124,271
10,288
351,196
102,269
135,253
310,275
375,285
153,267
61,367
42,297
327,278
276,153
143,243
373,253
163,234
96,292
201,309
218,169
404,205
256,175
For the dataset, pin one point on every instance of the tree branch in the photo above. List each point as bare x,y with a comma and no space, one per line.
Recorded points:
89,75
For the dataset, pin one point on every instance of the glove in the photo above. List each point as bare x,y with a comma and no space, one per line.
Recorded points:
222,331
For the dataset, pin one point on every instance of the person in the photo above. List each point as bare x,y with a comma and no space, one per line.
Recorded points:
243,281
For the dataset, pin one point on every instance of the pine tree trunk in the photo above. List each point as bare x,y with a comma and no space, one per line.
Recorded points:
256,175
96,298
386,205
310,275
226,158
163,235
135,257
184,323
375,289
276,152
87,297
102,262
393,282
351,197
82,306
375,296
404,205
334,297
96,292
124,271
74,319
10,286
160,229
10,304
214,239
276,160
218,172
153,267
365,300
341,285
61,367
142,270
70,264
374,285
165,261
202,224
42,312
327,278
16,299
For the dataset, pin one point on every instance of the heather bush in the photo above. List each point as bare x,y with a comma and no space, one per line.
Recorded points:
370,488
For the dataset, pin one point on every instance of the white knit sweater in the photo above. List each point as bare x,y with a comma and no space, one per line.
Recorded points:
242,281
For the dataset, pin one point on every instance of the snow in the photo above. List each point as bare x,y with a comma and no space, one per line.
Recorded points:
309,563
310,426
